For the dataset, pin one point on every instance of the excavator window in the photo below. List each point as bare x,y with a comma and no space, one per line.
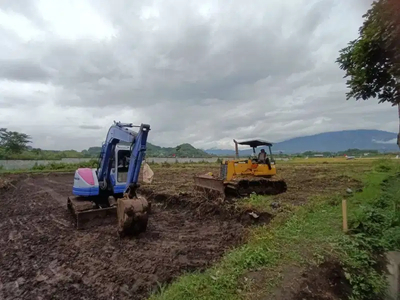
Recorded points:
123,164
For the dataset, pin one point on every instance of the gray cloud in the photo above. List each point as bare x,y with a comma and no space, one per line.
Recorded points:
22,70
198,72
92,127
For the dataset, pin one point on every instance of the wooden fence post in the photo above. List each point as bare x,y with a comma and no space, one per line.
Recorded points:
344,214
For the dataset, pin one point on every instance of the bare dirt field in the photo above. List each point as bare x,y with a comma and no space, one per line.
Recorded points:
42,255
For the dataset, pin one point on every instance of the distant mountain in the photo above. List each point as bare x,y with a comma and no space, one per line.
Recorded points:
336,141
183,150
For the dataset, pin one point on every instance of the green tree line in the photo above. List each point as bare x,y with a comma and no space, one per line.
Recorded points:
16,145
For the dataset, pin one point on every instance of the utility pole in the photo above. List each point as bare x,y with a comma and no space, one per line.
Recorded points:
398,135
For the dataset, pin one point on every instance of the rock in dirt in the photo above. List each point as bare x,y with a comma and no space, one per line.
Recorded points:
253,218
254,215
275,205
5,184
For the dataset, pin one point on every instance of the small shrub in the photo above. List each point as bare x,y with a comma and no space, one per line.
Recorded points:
38,167
382,165
375,229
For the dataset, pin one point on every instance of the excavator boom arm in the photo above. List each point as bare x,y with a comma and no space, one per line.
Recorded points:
137,155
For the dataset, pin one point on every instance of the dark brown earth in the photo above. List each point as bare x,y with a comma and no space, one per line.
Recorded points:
324,282
42,256
302,181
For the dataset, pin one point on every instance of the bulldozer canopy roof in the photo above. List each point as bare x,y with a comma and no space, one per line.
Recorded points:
255,143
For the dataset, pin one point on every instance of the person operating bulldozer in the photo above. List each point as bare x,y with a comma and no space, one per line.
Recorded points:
263,158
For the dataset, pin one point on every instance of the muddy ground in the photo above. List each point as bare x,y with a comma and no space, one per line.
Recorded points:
303,181
42,256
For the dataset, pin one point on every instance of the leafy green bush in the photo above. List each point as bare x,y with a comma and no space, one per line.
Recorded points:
37,166
382,165
374,229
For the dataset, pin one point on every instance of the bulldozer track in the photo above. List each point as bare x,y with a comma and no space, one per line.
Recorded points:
245,187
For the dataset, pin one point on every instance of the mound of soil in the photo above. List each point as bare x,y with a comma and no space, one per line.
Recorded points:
201,206
324,282
5,184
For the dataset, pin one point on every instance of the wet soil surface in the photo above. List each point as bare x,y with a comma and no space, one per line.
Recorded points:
42,255
302,181
324,282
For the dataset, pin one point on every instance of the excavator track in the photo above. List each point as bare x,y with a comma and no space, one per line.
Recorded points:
87,214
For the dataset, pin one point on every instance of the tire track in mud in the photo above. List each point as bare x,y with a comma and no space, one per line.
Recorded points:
43,255
43,185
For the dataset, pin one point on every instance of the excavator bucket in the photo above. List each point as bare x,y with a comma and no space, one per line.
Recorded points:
132,215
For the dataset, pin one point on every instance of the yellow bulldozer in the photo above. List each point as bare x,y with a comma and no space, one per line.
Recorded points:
242,177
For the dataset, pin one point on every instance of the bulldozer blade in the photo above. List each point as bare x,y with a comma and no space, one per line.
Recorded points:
86,215
133,215
210,183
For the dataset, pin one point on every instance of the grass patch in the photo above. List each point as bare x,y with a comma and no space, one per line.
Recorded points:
52,167
309,235
256,202
260,204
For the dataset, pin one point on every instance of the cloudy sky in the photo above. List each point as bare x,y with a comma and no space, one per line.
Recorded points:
201,72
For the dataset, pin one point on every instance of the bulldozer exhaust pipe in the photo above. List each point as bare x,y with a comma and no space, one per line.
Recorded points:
236,150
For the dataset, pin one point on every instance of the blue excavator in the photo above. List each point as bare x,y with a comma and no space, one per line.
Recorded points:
109,191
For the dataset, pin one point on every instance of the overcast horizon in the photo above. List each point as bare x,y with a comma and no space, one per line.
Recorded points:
198,72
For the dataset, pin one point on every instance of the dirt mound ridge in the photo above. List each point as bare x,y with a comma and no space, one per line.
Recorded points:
201,206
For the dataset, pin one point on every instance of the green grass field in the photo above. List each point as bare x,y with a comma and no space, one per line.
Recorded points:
306,236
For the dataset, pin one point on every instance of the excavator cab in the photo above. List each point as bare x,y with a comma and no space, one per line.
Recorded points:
242,177
120,166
